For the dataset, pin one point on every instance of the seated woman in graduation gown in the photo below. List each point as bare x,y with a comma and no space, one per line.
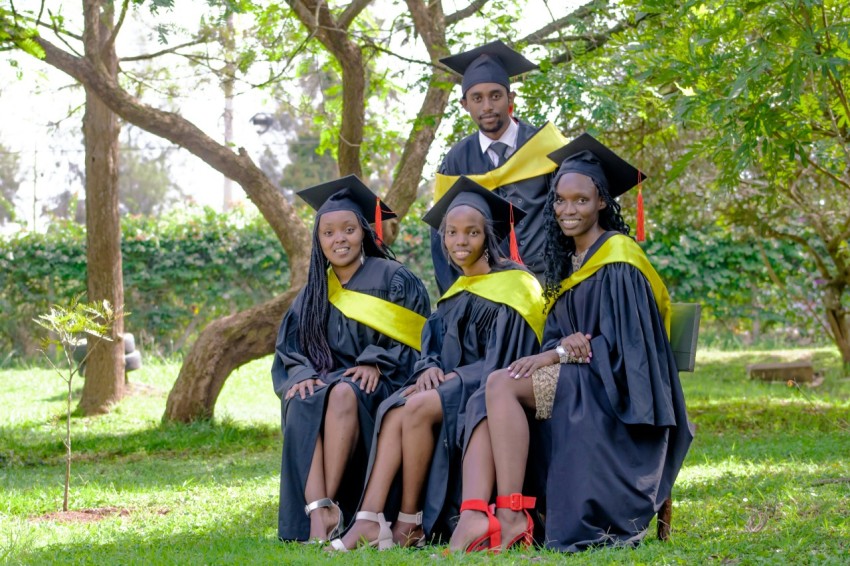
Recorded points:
490,316
349,340
605,381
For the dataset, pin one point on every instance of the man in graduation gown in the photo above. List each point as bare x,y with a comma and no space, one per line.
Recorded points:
505,155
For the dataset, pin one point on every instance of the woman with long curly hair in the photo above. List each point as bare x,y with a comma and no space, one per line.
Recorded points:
605,383
348,341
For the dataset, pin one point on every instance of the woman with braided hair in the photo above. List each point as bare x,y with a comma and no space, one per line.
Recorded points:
605,384
348,341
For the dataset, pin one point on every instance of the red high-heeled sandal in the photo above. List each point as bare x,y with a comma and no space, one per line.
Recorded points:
492,539
519,502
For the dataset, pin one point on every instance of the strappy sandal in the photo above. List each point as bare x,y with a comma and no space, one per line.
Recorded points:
492,539
325,503
385,534
519,502
415,519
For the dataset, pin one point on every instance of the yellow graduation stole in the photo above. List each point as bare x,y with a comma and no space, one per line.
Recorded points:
622,249
527,162
515,288
390,319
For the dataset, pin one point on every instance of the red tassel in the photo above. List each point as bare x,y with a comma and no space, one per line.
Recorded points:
641,232
379,223
514,248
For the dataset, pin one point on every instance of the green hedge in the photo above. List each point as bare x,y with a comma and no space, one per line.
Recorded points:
181,271
187,268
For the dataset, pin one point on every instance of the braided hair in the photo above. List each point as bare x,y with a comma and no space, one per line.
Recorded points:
491,243
313,316
558,247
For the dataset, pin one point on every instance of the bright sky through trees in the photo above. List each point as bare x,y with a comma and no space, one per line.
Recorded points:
42,114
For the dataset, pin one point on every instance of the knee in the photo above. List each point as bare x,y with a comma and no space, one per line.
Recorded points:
499,384
422,408
342,401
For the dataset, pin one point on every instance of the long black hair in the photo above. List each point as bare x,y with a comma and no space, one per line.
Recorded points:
558,247
491,243
313,317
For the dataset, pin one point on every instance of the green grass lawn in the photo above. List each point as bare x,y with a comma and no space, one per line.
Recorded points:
767,479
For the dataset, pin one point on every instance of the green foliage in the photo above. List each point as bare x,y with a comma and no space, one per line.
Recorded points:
16,31
144,179
68,327
413,247
9,183
181,271
726,272
737,111
765,480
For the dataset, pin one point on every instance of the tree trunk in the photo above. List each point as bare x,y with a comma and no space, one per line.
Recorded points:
839,323
232,341
223,346
104,383
227,86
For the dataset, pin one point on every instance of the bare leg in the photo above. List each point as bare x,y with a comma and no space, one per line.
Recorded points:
479,478
321,520
423,413
333,450
509,436
342,431
384,470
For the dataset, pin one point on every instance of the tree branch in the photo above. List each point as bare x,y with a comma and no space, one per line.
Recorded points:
822,267
280,215
52,27
581,13
147,56
111,41
782,285
319,21
829,174
592,41
351,12
465,12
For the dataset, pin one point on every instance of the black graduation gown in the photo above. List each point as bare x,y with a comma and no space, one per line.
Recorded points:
352,343
474,337
466,158
619,431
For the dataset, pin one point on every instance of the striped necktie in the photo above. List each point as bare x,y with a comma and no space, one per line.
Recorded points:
499,148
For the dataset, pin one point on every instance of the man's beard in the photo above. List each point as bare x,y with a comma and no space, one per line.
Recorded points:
500,123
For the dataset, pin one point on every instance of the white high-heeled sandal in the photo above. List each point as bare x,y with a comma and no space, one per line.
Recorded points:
415,519
385,534
323,503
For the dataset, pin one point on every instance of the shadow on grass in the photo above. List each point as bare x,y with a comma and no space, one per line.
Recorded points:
106,483
35,446
757,416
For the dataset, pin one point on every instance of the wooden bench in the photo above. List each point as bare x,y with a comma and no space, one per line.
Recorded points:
684,331
800,371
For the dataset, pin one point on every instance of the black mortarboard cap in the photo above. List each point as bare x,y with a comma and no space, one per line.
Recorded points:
465,191
494,62
346,193
586,155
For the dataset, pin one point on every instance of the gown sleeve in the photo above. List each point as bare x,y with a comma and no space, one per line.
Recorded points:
395,359
638,371
552,333
290,365
509,338
432,346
